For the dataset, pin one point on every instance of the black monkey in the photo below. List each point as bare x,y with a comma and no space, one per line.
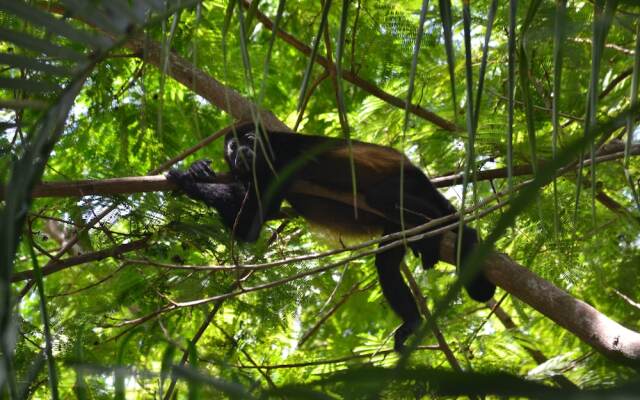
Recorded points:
265,164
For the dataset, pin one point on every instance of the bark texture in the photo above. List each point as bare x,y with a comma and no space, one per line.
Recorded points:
581,319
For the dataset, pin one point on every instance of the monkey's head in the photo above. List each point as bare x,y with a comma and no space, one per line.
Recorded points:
239,150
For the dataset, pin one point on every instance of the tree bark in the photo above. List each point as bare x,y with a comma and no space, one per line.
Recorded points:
194,78
102,187
594,328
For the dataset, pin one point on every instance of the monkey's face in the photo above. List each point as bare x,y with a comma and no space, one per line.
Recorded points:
239,152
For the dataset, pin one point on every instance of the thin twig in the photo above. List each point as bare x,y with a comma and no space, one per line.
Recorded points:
426,314
627,299
59,265
211,315
320,321
234,342
336,360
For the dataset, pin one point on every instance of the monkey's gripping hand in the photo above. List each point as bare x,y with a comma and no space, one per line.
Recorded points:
201,171
189,182
227,198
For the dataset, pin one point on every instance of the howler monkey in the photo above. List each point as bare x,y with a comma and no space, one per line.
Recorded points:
264,165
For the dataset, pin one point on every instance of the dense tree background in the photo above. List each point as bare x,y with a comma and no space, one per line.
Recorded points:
117,315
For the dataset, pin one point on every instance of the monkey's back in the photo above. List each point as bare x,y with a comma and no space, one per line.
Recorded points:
324,166
328,161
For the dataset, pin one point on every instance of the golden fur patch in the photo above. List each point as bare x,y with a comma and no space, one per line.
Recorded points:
371,156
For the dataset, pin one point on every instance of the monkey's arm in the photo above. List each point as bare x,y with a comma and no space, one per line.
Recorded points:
227,198
234,201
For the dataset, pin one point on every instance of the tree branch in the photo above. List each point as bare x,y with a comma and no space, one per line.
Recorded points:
421,302
350,76
611,151
594,328
204,84
155,183
59,265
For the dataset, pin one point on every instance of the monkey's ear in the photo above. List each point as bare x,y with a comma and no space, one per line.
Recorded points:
243,159
249,138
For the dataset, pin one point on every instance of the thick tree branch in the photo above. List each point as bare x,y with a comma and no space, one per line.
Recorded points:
203,84
596,329
102,187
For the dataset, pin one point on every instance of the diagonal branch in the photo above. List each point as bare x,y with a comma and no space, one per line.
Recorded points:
203,84
594,328
353,78
59,265
421,302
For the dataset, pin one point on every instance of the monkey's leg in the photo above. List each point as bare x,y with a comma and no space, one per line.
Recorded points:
397,293
416,211
478,286
421,202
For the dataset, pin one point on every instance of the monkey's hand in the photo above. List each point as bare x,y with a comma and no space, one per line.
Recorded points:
183,180
198,172
201,171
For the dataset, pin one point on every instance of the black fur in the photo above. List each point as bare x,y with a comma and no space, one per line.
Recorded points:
263,168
